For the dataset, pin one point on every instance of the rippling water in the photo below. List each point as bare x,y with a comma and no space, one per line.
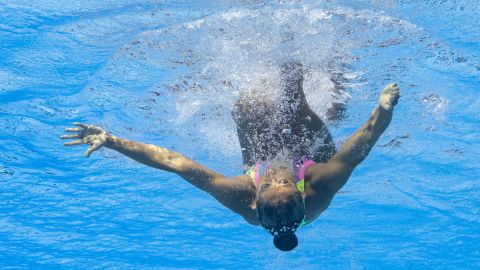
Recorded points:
167,72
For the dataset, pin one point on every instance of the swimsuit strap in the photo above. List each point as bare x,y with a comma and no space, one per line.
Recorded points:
307,163
256,171
299,168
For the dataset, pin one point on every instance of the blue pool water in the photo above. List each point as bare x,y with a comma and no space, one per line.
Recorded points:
167,72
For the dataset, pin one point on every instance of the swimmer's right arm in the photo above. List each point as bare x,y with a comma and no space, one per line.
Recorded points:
233,193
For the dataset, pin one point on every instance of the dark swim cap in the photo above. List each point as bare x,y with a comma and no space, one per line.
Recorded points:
284,237
281,216
285,242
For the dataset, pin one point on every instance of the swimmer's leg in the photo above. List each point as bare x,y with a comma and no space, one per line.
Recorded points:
292,97
336,111
324,148
308,135
255,132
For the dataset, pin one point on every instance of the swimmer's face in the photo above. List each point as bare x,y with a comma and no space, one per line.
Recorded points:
278,202
276,183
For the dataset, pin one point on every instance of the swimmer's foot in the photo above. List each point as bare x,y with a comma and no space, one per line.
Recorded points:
291,73
335,113
291,81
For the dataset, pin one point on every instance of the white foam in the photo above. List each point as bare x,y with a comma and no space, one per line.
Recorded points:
208,63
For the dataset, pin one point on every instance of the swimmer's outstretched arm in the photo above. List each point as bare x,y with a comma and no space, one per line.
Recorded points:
233,193
335,173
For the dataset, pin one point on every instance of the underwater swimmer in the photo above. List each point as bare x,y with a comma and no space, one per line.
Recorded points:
287,184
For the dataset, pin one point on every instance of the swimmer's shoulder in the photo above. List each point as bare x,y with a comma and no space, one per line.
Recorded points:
246,198
317,197
244,182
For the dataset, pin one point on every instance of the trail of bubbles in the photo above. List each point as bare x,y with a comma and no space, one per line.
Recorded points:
214,60
195,71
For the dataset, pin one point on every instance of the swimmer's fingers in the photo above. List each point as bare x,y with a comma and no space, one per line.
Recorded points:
85,130
77,142
74,129
389,97
395,98
71,136
79,135
97,144
392,85
391,88
394,95
78,124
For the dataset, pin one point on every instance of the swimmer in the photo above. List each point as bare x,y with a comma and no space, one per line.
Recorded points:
292,169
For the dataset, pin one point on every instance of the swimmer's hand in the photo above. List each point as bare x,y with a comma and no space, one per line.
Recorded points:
389,97
86,134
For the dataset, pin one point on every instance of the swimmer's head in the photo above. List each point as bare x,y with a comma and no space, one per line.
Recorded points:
279,206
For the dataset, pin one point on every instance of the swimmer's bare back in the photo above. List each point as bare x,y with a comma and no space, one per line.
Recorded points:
287,126
322,180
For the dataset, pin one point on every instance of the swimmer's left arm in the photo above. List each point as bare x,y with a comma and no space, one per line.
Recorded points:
335,173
